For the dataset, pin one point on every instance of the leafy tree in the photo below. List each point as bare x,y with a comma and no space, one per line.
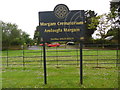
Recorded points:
25,38
103,26
114,17
36,36
91,21
12,36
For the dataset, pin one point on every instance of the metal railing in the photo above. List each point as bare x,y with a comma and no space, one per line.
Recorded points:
93,55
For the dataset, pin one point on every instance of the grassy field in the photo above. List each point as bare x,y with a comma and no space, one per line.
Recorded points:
96,74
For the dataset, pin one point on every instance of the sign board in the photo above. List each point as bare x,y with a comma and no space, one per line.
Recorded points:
62,24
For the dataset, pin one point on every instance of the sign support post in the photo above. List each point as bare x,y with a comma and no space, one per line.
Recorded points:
44,58
81,64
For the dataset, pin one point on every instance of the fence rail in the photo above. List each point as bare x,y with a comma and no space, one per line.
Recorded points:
92,54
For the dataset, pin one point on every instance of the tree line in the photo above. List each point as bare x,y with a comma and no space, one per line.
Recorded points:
12,36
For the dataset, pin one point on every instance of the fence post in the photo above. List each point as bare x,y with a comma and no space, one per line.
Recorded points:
117,60
41,57
57,56
7,56
81,64
97,54
23,57
44,58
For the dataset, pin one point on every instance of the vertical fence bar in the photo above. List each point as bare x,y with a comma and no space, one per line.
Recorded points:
117,63
77,56
97,54
57,55
7,57
41,57
23,57
44,58
81,64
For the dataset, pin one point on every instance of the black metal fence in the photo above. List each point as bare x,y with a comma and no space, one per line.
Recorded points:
98,55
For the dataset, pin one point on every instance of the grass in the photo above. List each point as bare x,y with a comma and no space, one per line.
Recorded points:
95,74
63,77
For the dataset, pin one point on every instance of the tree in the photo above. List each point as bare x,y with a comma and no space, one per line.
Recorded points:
114,17
12,36
25,38
103,26
91,21
36,36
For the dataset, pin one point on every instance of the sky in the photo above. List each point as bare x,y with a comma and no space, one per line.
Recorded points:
24,13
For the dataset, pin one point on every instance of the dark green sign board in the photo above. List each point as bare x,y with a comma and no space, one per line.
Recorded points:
62,24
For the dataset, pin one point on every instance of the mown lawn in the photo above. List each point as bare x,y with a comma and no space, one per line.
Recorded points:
63,77
95,75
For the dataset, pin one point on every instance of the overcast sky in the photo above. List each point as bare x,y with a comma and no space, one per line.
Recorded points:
24,13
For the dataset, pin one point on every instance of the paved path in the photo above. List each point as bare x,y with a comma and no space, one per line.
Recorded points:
49,48
34,48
